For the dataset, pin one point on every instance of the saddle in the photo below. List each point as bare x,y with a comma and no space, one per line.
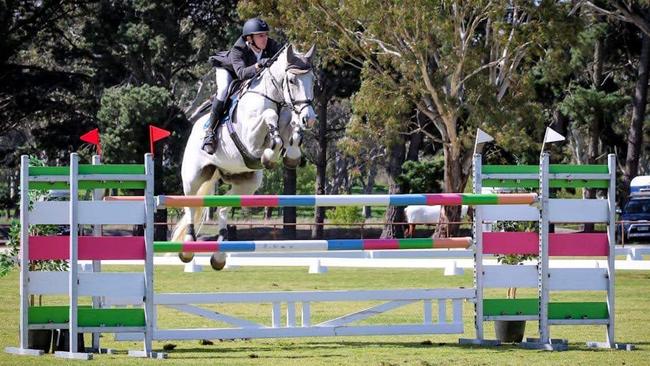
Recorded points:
235,90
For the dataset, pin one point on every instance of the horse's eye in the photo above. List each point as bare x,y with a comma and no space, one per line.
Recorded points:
292,81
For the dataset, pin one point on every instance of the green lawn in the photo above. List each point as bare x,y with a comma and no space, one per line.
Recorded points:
633,297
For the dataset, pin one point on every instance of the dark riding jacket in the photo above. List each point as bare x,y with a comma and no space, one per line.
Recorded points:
240,60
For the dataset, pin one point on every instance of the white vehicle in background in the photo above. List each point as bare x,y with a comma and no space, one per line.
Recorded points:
640,184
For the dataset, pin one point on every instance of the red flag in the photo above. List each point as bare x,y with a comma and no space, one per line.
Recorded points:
155,134
92,137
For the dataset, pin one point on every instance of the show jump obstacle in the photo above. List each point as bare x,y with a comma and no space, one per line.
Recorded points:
109,290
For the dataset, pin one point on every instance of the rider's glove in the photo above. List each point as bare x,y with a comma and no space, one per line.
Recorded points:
262,63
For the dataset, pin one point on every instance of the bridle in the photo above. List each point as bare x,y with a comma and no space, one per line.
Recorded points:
297,106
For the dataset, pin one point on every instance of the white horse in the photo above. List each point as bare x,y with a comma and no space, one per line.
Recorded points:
420,214
269,121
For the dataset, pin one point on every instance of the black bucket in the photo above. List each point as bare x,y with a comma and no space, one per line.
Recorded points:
63,341
510,331
39,339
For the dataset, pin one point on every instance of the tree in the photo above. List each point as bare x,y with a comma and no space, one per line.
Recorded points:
454,61
637,13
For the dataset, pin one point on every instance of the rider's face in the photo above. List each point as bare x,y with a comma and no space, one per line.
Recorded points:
260,40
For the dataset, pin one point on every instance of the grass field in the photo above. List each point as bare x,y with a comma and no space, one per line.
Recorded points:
633,320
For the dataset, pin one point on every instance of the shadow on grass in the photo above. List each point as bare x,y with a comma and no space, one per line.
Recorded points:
244,349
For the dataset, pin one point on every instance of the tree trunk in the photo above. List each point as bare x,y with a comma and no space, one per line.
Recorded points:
595,130
396,155
321,166
414,147
635,133
341,174
289,213
369,187
454,182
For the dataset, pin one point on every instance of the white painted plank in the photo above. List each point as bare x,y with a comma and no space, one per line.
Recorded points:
122,300
187,334
578,210
306,314
90,284
428,315
48,283
291,314
580,279
284,296
111,212
458,311
442,311
111,284
50,212
275,315
509,213
90,212
506,276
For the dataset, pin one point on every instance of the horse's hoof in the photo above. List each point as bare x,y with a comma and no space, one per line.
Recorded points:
290,163
185,257
267,159
267,164
291,158
218,261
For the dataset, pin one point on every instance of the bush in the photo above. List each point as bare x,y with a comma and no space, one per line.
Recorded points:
423,176
345,215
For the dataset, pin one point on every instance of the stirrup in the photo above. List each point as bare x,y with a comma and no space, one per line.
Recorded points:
209,143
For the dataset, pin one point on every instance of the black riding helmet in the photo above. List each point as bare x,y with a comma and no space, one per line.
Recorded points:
254,26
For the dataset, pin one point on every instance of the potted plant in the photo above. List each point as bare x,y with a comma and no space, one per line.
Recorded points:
512,331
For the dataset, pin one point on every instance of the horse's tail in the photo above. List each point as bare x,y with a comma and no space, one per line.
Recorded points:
200,214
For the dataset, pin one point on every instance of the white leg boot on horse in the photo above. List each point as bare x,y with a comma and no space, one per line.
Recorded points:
272,153
292,154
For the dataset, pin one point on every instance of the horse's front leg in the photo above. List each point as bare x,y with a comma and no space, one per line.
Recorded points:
273,150
292,153
190,212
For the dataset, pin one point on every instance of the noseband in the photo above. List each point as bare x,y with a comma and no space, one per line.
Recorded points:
293,104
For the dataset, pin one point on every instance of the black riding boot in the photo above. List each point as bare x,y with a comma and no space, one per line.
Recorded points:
210,142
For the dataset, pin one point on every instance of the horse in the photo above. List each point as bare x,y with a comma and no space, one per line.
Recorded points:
271,114
418,214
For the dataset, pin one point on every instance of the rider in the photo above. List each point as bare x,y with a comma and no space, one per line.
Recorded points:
247,56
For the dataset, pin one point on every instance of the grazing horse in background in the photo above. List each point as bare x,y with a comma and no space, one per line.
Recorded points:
271,114
419,214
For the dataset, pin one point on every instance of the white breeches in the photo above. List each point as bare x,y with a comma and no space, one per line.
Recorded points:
223,82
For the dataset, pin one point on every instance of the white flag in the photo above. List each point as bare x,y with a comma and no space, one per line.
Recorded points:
552,136
482,137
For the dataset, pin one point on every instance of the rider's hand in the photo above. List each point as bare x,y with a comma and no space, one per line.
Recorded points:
262,63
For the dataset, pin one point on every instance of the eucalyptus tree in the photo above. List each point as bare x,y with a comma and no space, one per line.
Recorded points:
460,64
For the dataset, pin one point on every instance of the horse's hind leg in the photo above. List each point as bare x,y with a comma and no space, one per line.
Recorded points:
241,184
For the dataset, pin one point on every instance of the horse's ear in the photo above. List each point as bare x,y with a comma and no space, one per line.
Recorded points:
310,54
290,54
